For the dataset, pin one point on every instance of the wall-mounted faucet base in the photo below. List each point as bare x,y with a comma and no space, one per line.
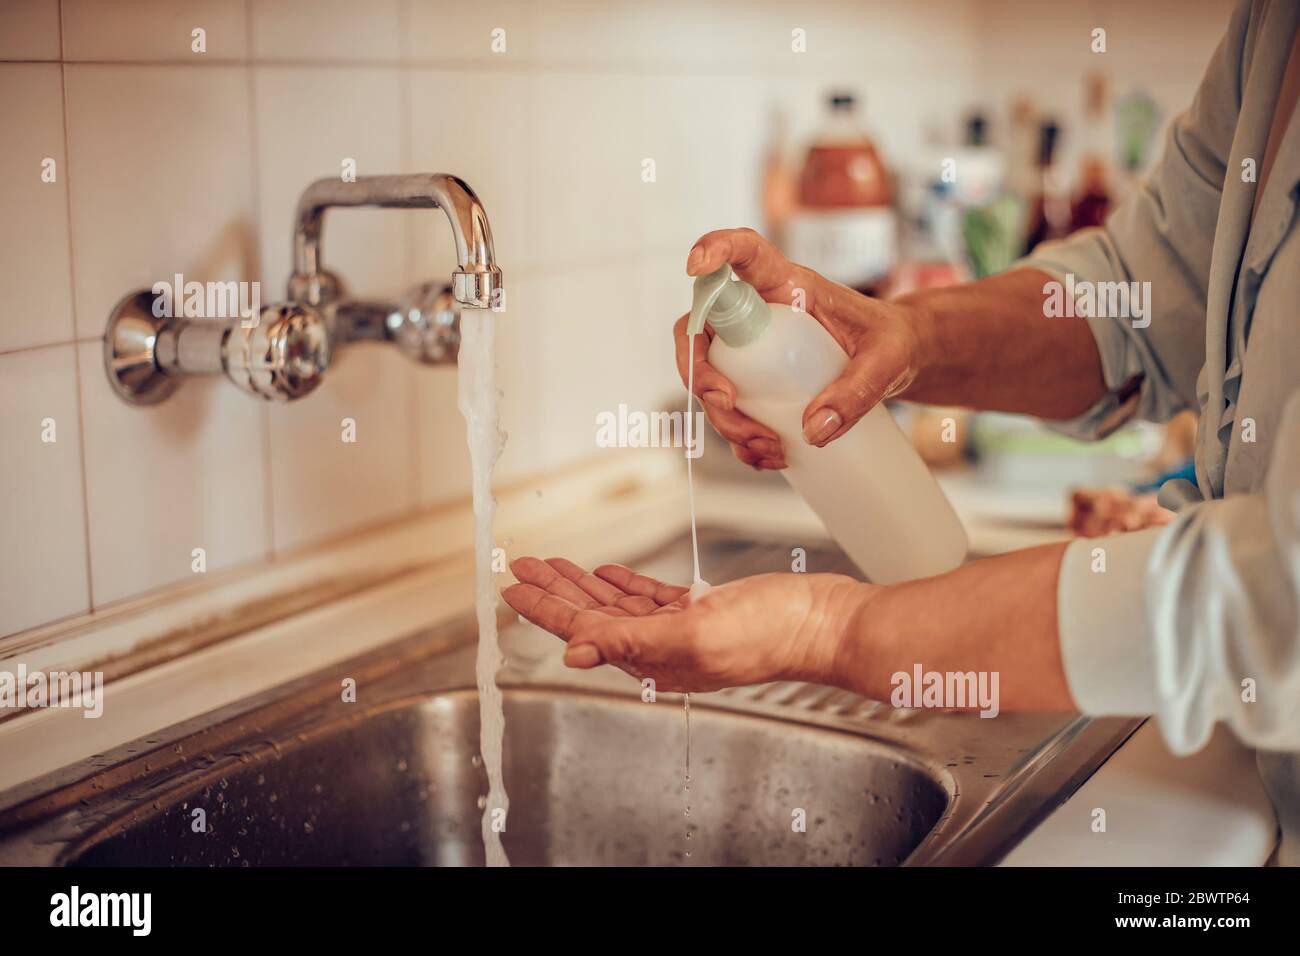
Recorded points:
130,351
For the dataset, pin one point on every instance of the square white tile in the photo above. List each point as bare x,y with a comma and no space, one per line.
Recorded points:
327,30
477,125
31,30
324,484
592,145
706,134
160,181
443,453
576,350
42,517
310,122
164,480
35,276
495,32
155,30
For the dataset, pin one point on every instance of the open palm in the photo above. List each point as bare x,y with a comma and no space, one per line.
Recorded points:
757,629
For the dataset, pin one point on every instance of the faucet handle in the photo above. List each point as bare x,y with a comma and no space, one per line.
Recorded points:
427,324
283,356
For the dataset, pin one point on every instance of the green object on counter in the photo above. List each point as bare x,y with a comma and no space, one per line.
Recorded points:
993,235
997,434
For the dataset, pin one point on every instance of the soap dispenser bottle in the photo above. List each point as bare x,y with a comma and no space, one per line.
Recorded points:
869,487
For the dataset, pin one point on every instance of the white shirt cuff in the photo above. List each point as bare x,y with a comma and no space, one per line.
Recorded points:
1102,618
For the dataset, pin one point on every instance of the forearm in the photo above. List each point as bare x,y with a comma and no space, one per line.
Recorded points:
993,615
988,345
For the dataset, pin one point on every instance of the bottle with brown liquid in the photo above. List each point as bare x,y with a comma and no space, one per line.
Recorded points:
845,227
1092,199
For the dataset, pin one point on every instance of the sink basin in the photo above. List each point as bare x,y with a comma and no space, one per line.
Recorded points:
782,773
593,780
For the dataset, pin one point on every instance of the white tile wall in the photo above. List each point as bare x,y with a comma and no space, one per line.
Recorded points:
450,32
155,30
160,180
327,29
37,297
164,480
31,30
179,161
309,122
43,558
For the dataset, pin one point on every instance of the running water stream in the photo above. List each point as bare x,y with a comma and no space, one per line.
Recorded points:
477,397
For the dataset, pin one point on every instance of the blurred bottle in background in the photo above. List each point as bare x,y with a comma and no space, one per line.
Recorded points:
1137,121
1021,146
1092,198
1049,210
845,227
780,180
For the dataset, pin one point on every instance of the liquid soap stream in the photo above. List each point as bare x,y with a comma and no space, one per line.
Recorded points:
477,397
698,585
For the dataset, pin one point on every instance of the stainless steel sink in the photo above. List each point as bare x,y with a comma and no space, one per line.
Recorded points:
780,774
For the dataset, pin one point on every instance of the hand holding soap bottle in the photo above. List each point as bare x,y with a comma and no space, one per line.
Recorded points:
869,486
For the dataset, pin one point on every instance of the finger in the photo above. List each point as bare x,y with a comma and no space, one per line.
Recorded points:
544,609
602,591
871,375
535,571
634,582
758,460
712,388
741,430
753,258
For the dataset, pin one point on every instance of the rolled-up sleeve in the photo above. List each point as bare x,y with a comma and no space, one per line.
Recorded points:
1163,233
1198,621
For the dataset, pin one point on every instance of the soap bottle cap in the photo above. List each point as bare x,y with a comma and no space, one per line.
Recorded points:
734,309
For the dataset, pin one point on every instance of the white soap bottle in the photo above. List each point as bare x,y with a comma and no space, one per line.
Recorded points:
869,487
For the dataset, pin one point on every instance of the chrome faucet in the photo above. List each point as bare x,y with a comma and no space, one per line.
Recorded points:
284,351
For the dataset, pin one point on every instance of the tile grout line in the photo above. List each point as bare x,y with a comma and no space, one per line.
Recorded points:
254,145
75,340
72,298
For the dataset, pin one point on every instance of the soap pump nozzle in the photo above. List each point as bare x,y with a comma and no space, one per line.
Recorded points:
734,309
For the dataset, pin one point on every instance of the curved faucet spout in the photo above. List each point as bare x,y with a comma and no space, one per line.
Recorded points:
477,281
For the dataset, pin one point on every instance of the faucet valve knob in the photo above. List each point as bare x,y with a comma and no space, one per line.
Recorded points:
283,356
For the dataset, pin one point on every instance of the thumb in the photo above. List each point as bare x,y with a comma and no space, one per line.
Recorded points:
870,377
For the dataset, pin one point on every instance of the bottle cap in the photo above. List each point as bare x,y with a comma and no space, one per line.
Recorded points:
733,308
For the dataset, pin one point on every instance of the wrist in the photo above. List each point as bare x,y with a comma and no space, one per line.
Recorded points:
918,324
851,649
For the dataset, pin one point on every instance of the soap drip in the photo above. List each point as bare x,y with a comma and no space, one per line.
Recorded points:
699,586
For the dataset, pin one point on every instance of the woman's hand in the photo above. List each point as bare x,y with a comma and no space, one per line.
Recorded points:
879,338
758,629
1095,512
